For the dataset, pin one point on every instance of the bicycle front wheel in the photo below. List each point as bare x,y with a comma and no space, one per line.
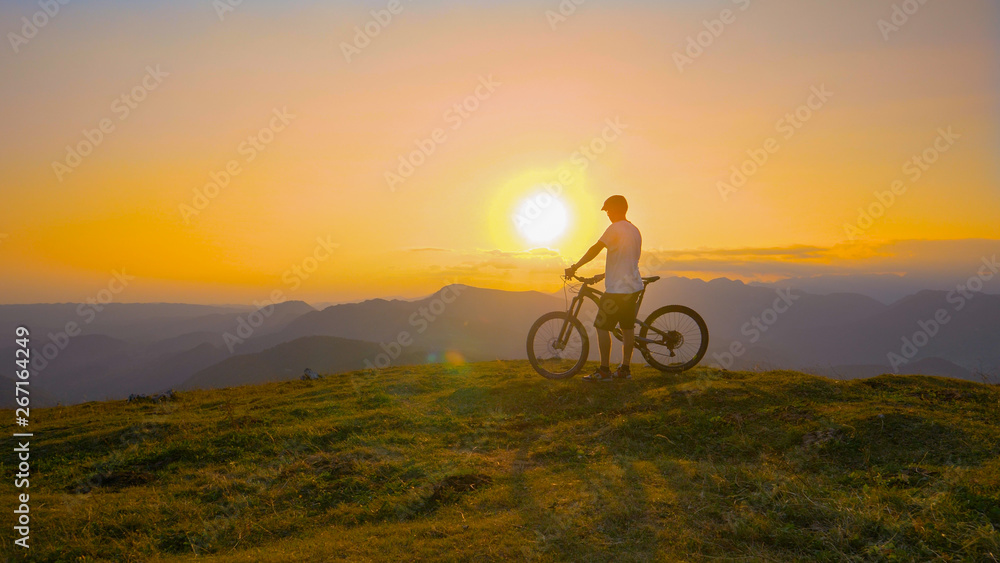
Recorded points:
557,345
674,339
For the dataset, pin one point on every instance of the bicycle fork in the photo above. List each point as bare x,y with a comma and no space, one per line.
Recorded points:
566,330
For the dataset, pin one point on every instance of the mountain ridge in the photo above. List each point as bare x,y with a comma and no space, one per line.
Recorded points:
815,332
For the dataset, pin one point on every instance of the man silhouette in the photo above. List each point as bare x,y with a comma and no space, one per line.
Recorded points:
622,284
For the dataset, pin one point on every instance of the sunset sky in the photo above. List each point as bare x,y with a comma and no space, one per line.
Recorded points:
329,122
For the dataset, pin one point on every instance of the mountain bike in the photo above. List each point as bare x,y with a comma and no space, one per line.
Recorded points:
672,339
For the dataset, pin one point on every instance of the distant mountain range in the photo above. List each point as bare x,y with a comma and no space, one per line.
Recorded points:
144,348
886,288
322,354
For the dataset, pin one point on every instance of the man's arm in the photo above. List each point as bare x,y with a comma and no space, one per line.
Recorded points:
590,255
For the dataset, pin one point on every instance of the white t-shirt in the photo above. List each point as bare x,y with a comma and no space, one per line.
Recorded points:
622,267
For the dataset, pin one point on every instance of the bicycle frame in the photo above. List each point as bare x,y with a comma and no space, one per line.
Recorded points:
587,292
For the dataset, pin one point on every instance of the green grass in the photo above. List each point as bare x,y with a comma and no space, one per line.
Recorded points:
489,461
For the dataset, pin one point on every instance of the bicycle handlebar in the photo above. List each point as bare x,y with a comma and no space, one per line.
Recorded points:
587,281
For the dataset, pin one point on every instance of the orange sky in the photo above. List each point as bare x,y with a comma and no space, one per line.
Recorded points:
551,91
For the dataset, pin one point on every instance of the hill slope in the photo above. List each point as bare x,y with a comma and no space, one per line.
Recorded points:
489,461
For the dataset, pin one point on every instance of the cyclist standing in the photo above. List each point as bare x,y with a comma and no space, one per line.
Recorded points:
622,283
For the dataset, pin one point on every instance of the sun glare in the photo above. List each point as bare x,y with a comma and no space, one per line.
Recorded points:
541,218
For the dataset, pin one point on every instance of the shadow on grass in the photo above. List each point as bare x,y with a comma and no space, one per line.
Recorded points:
579,512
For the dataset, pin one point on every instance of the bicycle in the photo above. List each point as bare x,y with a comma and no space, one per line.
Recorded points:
672,339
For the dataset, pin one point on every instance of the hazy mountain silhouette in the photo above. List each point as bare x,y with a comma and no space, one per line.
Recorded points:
971,336
838,333
141,322
84,370
728,306
886,288
323,354
184,342
479,323
39,397
126,321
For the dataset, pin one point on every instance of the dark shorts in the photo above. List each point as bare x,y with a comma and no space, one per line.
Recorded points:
616,309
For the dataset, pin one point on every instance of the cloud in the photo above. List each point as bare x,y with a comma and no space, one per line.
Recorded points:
916,264
932,259
525,269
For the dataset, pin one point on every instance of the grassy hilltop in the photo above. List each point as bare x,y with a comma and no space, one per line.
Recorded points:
488,461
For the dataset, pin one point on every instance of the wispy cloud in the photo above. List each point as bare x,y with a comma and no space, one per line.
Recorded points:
920,261
925,258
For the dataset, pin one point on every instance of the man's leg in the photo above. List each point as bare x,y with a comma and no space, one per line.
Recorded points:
604,345
627,323
628,342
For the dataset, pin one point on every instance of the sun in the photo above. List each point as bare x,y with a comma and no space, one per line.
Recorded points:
543,208
542,217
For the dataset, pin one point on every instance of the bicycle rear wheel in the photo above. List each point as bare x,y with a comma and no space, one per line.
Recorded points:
674,339
558,345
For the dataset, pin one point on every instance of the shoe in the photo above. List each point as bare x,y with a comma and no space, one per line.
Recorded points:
602,374
623,372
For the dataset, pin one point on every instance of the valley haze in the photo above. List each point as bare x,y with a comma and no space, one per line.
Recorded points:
84,352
